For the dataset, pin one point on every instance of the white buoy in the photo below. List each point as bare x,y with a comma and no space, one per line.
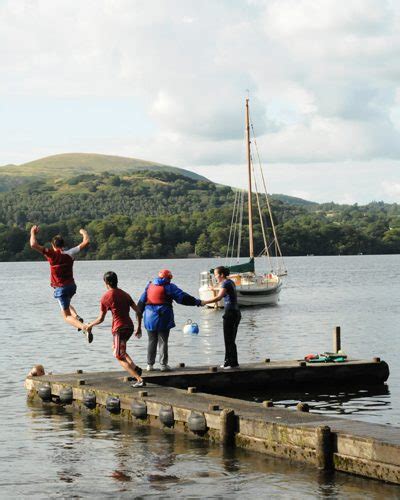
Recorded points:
191,328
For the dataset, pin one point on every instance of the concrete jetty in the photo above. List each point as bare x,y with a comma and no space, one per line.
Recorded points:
365,449
275,374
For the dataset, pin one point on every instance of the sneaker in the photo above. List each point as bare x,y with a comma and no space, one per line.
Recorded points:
89,336
165,368
81,320
138,370
150,368
138,383
230,367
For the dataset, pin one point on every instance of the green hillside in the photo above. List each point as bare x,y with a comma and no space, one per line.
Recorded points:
72,164
136,210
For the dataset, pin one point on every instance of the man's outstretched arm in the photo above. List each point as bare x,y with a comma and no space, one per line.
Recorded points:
33,241
98,320
85,239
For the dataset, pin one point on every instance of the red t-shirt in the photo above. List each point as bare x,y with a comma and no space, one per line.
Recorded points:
118,302
61,263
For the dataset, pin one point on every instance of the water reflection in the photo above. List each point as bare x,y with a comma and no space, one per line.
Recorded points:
334,400
101,456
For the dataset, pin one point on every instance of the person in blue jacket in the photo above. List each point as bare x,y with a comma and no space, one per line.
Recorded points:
156,302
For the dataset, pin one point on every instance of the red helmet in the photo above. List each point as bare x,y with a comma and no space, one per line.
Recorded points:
165,273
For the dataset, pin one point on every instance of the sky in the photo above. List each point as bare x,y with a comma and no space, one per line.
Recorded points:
166,81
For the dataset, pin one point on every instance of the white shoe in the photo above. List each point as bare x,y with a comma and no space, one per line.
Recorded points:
165,368
150,368
139,383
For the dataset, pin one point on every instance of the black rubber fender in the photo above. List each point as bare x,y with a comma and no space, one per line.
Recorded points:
44,393
139,409
66,395
113,404
89,400
197,423
167,416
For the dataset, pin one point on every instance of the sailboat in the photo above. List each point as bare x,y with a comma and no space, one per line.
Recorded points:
253,289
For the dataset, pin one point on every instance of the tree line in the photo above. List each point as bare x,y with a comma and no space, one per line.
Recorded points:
161,214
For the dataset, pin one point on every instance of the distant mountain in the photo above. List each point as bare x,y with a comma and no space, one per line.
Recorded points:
71,164
293,200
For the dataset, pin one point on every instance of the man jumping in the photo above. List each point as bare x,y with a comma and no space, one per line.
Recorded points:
61,277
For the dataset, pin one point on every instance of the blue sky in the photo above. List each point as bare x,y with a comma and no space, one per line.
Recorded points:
165,80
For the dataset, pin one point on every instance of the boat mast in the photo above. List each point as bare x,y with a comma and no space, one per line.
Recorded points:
250,209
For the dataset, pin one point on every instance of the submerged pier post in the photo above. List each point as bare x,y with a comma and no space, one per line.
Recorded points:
324,448
228,427
337,345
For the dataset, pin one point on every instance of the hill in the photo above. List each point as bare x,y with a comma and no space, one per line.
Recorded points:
132,211
294,200
72,164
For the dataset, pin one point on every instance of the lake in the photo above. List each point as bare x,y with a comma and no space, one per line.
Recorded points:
50,453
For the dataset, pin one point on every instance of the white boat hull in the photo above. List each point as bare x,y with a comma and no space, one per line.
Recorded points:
248,295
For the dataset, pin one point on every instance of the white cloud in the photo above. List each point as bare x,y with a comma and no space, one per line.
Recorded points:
323,76
392,189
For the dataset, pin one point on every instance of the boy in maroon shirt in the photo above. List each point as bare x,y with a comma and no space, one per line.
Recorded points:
61,276
119,303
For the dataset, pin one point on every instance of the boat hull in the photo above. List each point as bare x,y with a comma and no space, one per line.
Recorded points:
247,295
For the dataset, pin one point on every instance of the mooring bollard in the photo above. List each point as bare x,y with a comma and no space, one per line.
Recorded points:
81,382
324,448
337,345
376,360
228,427
181,365
212,368
143,394
213,407
192,390
267,360
79,371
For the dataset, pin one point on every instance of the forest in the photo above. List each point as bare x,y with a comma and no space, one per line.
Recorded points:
148,214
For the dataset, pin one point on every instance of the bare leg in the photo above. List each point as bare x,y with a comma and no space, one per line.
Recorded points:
128,365
73,311
71,319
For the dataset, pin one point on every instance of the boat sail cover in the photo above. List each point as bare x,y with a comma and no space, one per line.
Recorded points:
246,267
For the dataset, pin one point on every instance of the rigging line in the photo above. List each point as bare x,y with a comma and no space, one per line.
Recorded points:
267,198
240,223
230,229
260,214
234,231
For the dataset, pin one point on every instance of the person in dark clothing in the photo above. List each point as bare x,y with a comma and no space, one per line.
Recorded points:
156,304
231,317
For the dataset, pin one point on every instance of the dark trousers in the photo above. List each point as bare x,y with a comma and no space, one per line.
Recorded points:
231,322
160,338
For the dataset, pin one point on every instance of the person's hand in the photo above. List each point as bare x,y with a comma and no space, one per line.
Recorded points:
35,229
88,328
138,333
203,303
83,232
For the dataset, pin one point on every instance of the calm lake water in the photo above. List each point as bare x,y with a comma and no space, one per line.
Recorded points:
51,453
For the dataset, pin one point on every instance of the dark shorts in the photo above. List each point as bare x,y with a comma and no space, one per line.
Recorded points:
64,295
120,338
